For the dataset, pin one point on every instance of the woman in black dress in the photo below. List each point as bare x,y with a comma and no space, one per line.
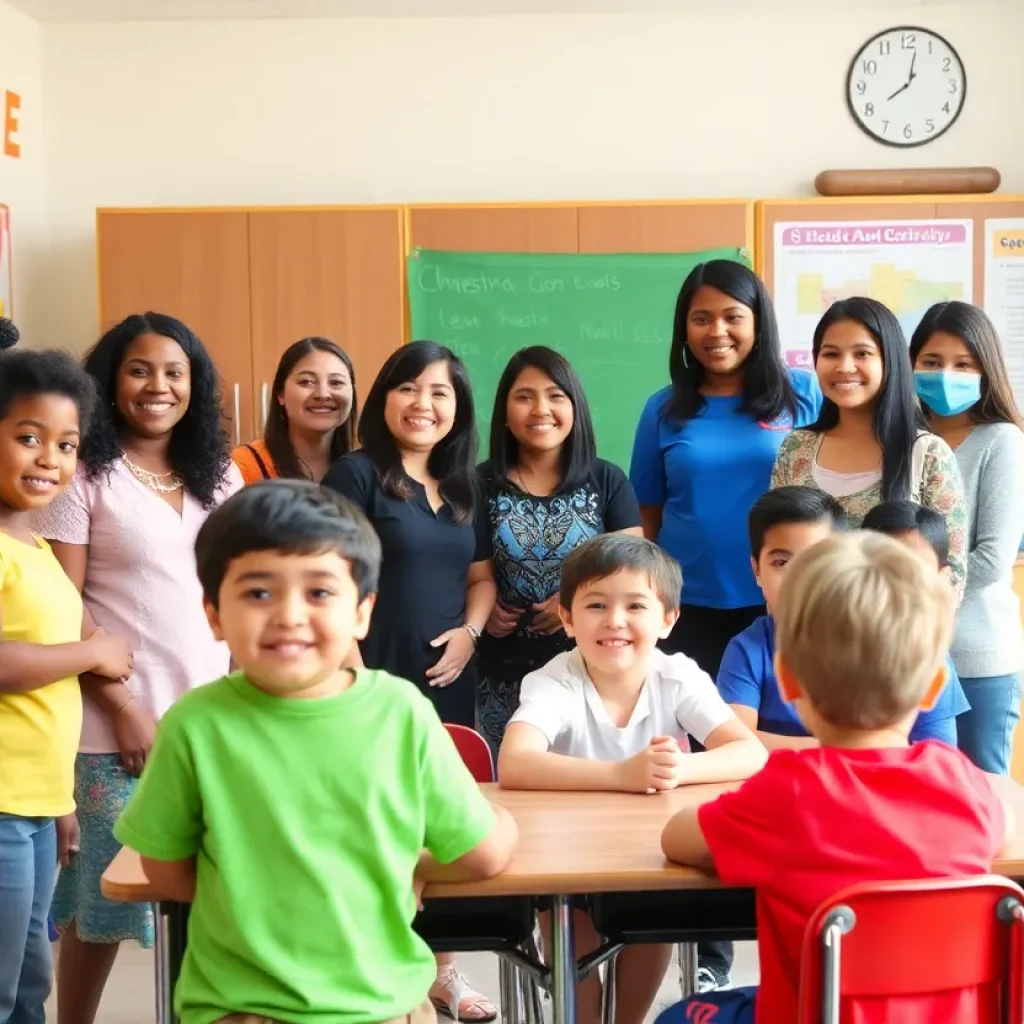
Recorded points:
414,479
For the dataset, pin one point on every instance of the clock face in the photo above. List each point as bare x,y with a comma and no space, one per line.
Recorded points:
906,86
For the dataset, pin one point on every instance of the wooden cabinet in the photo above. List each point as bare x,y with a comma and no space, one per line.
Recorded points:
250,282
335,273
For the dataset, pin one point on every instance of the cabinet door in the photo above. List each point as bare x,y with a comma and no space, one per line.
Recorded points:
337,273
192,265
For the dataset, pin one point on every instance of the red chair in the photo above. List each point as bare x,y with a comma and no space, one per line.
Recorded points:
474,751
892,939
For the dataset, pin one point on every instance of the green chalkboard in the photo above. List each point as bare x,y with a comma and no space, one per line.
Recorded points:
610,316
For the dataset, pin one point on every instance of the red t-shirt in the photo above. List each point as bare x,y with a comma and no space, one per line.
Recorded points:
813,822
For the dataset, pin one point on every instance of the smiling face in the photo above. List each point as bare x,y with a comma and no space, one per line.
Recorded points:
154,385
849,365
317,394
290,620
720,332
616,622
538,412
420,413
39,440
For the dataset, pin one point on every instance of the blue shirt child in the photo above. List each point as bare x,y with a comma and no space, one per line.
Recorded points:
747,677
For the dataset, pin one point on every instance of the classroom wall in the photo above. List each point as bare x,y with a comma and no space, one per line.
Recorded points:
23,177
534,107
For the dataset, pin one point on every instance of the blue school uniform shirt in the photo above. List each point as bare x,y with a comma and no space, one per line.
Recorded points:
747,677
706,473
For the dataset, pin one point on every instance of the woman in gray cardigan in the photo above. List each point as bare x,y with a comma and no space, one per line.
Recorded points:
963,385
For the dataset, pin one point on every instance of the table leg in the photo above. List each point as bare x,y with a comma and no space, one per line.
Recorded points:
687,969
563,962
164,1008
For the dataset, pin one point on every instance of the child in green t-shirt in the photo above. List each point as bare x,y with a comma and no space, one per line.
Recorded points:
293,800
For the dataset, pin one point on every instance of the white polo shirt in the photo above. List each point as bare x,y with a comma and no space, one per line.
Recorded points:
677,699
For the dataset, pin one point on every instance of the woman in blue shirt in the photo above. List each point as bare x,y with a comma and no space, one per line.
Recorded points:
703,454
705,447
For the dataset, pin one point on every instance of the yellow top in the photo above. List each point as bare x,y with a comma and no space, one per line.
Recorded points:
39,729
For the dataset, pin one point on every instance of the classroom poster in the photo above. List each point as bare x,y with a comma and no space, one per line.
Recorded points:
6,308
907,265
1004,292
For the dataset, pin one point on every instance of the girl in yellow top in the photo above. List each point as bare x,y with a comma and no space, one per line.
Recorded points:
45,644
310,422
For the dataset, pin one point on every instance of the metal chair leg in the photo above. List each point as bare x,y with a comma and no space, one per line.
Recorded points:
687,968
505,980
608,991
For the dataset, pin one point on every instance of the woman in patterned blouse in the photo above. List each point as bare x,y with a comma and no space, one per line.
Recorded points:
546,492
870,444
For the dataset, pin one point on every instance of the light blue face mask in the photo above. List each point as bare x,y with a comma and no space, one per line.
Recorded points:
948,392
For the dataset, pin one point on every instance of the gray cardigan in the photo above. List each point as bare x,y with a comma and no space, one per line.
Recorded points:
989,640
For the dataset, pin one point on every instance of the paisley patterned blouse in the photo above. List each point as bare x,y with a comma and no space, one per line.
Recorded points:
941,489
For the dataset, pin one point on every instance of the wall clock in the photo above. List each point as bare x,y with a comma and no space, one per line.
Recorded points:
906,86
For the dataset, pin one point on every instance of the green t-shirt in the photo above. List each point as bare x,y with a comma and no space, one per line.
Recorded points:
307,819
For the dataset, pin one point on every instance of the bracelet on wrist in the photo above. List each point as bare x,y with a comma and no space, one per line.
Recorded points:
131,697
472,631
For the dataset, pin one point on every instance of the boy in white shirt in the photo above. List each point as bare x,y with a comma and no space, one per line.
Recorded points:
615,714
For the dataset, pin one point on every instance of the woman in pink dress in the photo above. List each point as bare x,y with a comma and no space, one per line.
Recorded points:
150,470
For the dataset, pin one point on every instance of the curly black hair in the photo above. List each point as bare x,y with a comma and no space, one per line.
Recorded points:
200,447
25,372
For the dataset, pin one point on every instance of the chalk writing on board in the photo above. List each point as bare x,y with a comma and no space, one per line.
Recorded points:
610,315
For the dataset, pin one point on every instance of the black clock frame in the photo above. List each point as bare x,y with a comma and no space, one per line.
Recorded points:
849,82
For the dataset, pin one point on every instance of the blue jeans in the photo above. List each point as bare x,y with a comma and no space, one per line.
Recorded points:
985,733
28,869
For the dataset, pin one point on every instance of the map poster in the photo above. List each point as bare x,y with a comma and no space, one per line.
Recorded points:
907,265
1004,293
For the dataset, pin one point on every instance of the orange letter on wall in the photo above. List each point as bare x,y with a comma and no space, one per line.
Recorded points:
12,105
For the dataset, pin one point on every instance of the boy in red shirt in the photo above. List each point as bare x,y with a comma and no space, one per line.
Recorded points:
862,634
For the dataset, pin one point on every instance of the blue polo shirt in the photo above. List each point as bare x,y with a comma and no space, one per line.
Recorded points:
747,677
706,473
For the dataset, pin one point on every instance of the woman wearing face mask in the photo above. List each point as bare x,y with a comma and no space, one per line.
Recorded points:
961,379
153,465
414,478
312,415
870,443
546,492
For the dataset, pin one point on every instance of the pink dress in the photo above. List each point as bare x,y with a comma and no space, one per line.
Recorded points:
141,583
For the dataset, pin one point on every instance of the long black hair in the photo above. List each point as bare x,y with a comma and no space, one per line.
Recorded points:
579,448
275,433
452,461
199,450
897,420
767,389
973,327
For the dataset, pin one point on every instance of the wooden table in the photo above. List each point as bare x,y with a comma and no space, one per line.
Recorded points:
569,844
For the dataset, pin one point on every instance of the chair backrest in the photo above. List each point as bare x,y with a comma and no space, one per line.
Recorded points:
892,939
474,751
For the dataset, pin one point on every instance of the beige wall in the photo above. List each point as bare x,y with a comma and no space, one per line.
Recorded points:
23,179
471,108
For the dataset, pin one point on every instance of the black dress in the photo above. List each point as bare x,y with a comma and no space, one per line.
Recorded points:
422,593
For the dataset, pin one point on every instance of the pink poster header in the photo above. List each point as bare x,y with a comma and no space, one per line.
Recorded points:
889,233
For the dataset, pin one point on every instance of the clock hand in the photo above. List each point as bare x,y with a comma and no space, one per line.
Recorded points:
910,78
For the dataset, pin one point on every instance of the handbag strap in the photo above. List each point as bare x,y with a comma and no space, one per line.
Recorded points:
259,461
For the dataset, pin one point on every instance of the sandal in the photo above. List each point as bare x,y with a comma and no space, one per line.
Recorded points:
452,996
